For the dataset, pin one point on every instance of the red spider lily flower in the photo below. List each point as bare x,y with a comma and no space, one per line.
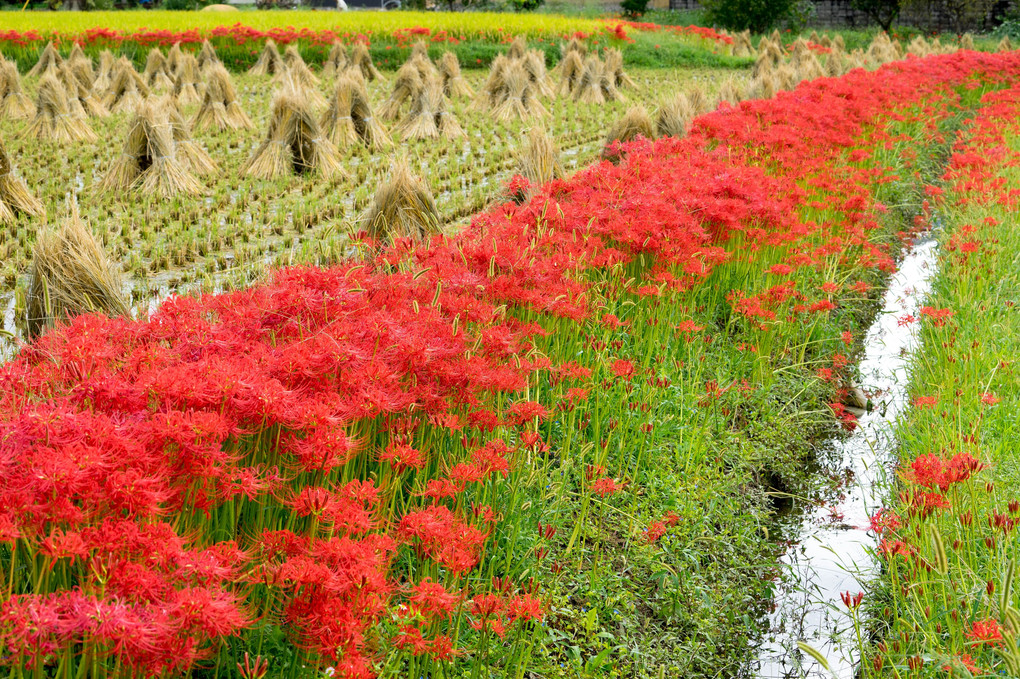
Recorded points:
402,457
623,369
432,600
985,632
989,399
605,486
253,668
938,316
852,601
655,530
925,402
885,521
965,661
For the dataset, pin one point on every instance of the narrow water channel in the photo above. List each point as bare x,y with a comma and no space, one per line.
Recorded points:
830,548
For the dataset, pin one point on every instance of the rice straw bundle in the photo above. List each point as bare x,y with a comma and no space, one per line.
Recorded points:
881,50
1005,45
406,87
838,44
810,68
403,207
798,52
420,54
294,142
675,116
269,62
763,87
699,101
173,58
833,65
105,72
361,60
156,75
220,109
71,275
80,98
54,119
368,127
730,91
786,77
149,161
539,163
337,122
81,66
14,103
742,46
454,83
49,58
595,86
534,64
188,81
494,89
189,152
519,100
518,48
573,45
127,89
297,68
207,57
635,124
421,121
336,61
770,56
296,75
614,69
14,194
570,70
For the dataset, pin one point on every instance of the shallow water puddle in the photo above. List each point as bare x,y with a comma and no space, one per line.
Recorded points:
831,548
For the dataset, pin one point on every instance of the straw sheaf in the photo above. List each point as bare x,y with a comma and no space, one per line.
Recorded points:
494,89
149,162
675,116
518,48
403,207
207,57
15,198
573,45
534,64
269,62
429,117
188,86
454,83
173,58
520,99
596,86
156,75
539,162
220,109
336,61
48,58
71,275
297,68
731,91
189,152
635,124
14,103
81,100
127,90
105,71
54,118
1005,45
295,76
407,85
614,69
570,70
361,60
294,142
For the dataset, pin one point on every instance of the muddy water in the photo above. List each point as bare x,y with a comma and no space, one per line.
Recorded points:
831,548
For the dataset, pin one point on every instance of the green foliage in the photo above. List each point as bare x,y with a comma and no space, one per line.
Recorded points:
633,9
882,12
739,15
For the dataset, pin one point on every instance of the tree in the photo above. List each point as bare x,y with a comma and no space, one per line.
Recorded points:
738,15
882,12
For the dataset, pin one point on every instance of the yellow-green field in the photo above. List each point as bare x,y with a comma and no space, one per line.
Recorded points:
474,23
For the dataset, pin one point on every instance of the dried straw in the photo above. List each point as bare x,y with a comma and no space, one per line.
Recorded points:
220,109
54,119
105,72
521,99
361,60
596,86
81,100
189,152
336,61
1005,45
454,83
517,48
149,161
573,45
570,70
731,91
406,87
48,58
14,103
294,142
207,57
173,58
269,62
81,66
675,116
635,124
156,73
614,69
403,207
71,275
298,69
534,64
15,197
348,119
127,89
539,162
188,81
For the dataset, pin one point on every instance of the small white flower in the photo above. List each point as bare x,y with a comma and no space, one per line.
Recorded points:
330,671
